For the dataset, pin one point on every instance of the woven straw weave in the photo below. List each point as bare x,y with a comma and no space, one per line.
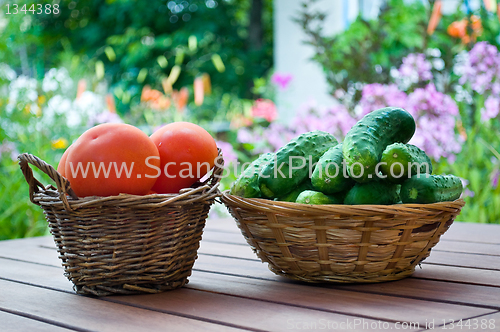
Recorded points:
341,243
124,244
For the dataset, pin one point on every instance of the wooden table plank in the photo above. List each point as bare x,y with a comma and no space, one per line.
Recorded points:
468,247
473,232
15,323
464,260
250,313
330,298
210,306
283,292
458,274
91,314
446,292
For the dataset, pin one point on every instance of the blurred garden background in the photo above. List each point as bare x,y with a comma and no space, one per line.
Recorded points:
227,66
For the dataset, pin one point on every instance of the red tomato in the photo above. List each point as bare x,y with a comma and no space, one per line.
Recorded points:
187,153
62,163
110,159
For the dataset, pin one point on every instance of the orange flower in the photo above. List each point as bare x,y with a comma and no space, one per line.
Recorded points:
155,94
435,17
161,103
145,94
458,29
180,98
199,91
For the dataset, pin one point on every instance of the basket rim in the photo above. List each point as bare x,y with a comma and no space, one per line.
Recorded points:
281,207
206,190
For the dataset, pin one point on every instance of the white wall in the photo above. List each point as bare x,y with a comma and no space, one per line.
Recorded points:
291,56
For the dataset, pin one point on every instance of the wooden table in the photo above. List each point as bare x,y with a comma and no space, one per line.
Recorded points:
230,289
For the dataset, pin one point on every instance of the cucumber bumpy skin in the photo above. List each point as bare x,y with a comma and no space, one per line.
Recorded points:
377,192
275,178
328,176
405,160
247,184
367,139
425,189
317,198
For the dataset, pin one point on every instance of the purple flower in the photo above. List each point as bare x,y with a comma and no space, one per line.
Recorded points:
375,96
435,115
415,68
491,108
281,80
480,68
228,152
495,175
432,102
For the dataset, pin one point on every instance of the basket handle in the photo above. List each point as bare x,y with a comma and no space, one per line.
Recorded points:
218,169
63,185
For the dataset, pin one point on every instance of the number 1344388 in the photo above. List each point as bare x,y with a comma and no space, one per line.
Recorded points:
13,9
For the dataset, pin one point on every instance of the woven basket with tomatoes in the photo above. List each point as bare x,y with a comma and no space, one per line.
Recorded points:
134,232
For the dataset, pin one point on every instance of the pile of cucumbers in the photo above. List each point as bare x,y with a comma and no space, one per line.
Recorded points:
373,165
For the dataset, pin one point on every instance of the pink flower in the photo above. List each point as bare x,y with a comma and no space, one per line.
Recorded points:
281,80
264,108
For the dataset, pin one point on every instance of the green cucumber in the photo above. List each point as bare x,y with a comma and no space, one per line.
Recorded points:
401,161
425,188
329,175
317,198
376,192
367,139
292,195
292,163
247,184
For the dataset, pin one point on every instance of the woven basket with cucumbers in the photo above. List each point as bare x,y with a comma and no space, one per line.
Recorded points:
367,209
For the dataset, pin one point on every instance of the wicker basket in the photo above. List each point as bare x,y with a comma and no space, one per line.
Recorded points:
123,244
341,243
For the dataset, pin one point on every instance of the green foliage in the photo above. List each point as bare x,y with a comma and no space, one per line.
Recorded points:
479,163
139,42
18,216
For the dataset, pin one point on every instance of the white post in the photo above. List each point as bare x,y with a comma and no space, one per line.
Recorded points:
293,57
